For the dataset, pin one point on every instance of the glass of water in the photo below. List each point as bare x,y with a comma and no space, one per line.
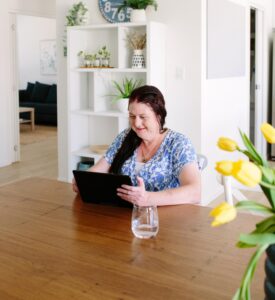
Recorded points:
145,221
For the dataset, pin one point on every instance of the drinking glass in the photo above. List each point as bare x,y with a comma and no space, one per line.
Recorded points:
145,221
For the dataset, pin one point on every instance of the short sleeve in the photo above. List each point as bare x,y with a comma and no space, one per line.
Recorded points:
116,144
184,153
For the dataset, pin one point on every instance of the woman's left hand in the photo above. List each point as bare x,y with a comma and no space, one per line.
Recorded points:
134,194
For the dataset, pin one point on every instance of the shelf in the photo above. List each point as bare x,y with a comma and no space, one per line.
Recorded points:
92,116
107,26
86,152
111,113
109,70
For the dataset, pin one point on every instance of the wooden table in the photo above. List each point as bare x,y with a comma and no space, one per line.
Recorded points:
30,110
53,246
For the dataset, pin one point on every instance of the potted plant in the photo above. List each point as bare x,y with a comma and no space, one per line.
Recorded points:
137,42
105,57
251,172
77,15
123,92
138,8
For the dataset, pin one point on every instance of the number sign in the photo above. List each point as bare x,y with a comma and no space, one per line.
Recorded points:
109,10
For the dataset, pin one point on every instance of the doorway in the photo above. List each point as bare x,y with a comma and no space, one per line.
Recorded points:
35,154
35,73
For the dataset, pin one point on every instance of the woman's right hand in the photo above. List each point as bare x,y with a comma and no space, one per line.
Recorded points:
74,186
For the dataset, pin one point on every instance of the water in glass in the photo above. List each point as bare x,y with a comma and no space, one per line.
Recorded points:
145,222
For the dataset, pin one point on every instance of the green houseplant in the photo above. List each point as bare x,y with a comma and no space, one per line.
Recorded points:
138,4
250,173
124,90
77,15
138,8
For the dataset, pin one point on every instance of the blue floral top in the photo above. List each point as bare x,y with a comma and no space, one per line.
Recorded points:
162,171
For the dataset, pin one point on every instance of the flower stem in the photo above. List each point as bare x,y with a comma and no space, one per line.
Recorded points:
243,293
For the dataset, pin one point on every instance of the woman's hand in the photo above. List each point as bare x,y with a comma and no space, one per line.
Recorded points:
74,186
134,194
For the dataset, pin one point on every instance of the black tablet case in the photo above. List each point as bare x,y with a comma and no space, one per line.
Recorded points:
101,188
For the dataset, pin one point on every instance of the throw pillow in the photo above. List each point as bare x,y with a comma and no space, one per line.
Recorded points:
52,95
40,92
29,89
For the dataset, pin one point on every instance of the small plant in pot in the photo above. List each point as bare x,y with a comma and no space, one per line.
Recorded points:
138,8
123,92
104,55
137,42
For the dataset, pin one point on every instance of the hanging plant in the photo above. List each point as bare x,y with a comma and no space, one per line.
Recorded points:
77,15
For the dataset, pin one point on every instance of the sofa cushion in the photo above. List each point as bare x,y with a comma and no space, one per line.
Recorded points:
51,98
45,108
40,92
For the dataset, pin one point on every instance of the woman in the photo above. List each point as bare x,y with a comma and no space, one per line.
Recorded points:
161,162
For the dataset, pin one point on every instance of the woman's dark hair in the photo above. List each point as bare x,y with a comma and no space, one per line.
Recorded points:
153,97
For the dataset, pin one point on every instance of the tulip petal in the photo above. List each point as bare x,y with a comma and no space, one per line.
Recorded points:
268,132
227,144
247,173
224,167
223,213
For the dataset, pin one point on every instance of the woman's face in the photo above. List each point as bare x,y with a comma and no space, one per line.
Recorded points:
143,121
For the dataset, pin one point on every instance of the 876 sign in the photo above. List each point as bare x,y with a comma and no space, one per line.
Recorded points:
109,10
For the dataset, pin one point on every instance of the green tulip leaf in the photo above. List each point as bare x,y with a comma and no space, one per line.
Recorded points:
258,239
237,295
253,206
252,150
265,224
268,174
267,185
244,290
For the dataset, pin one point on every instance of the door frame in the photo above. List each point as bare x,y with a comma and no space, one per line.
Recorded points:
15,130
260,98
14,106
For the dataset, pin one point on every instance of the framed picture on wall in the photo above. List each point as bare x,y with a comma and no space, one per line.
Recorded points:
48,57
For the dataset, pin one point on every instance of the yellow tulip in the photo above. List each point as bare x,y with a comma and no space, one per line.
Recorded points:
223,213
225,167
268,132
247,173
227,144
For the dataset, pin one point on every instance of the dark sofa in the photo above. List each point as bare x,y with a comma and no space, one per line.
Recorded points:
43,97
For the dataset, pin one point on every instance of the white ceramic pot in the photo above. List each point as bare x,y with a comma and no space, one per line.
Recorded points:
122,105
138,16
138,61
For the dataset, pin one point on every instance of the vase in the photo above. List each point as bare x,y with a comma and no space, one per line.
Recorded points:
269,284
138,16
122,105
138,61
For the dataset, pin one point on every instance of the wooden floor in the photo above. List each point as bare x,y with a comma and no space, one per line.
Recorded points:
38,155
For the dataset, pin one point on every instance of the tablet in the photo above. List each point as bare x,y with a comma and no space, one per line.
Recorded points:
101,188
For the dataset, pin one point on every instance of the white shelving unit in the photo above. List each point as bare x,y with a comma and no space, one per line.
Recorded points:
92,117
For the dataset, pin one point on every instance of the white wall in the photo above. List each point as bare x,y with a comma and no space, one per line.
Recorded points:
30,31
34,7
